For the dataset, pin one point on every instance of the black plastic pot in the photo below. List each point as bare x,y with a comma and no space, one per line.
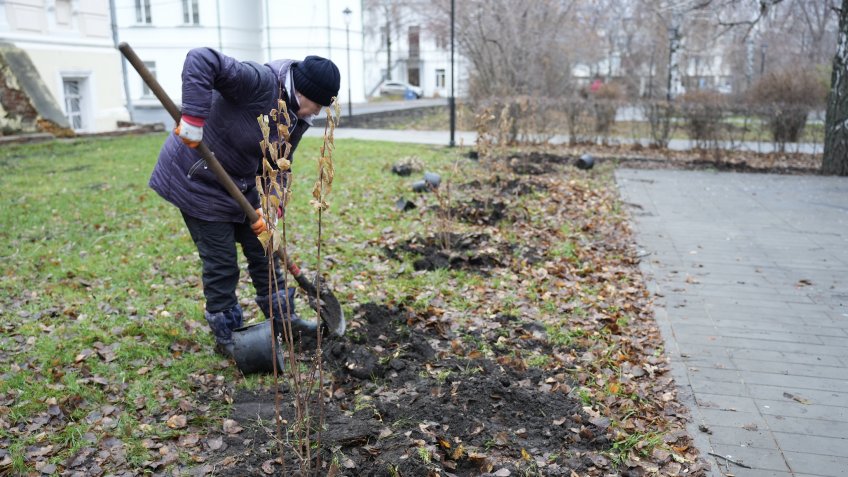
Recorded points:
431,182
252,349
432,179
585,162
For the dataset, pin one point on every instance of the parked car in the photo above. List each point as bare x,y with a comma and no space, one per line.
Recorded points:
400,88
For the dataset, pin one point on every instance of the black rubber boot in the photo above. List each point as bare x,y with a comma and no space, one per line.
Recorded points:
278,305
222,324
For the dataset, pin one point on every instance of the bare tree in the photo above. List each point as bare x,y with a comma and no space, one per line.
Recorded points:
390,18
835,160
811,26
514,48
816,15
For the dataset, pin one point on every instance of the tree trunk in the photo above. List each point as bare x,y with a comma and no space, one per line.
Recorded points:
835,160
388,49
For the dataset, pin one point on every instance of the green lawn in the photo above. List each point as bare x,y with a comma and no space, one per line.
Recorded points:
101,297
104,344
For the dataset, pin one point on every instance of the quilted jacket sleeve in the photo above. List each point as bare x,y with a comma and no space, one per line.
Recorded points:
206,70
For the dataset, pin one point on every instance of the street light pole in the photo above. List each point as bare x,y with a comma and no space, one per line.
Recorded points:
452,99
763,48
347,17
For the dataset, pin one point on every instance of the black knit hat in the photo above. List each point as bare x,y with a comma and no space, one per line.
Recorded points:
316,78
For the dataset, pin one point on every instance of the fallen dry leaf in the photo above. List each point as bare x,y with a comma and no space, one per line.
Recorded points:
797,398
232,427
177,421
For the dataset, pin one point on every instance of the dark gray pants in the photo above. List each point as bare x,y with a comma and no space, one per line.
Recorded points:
216,244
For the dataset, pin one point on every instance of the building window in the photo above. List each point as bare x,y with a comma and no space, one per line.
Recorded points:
414,42
191,14
63,13
73,102
440,78
142,12
414,76
145,90
384,34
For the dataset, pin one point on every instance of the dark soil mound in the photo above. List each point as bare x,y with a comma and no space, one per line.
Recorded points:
536,163
480,212
467,416
463,251
506,187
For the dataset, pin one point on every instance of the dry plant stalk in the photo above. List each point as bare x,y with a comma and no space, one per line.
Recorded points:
506,123
445,225
274,186
444,214
494,131
320,191
485,138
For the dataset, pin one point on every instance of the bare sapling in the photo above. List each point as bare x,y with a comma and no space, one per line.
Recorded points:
274,185
485,136
444,229
320,191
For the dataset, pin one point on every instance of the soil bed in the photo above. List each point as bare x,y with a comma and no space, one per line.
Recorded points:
425,416
475,251
480,212
636,157
553,366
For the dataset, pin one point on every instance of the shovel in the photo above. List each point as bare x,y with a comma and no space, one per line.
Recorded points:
320,298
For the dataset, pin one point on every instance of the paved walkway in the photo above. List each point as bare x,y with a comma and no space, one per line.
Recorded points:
469,138
751,277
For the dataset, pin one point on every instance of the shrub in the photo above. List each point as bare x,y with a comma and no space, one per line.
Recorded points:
518,120
660,116
784,98
702,113
578,119
604,106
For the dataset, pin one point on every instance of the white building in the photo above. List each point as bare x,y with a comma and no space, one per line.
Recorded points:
71,46
162,31
410,52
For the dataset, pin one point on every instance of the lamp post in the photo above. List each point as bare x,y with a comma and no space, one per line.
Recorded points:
763,48
348,13
452,99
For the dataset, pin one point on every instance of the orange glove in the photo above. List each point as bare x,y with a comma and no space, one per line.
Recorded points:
259,226
190,130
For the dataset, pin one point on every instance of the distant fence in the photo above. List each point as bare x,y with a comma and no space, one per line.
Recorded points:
382,119
705,124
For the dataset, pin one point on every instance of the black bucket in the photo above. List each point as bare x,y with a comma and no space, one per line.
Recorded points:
252,349
585,162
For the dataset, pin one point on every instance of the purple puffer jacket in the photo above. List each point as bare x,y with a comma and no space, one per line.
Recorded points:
230,95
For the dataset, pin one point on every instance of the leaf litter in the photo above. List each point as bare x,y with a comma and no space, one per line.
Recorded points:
556,370
553,366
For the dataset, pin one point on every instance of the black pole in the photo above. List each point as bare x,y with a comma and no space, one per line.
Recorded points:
763,47
349,96
452,99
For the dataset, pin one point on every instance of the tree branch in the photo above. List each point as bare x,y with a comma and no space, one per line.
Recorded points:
728,459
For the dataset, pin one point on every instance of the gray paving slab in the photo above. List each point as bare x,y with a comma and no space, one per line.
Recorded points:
816,464
805,426
754,437
469,138
789,392
750,277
